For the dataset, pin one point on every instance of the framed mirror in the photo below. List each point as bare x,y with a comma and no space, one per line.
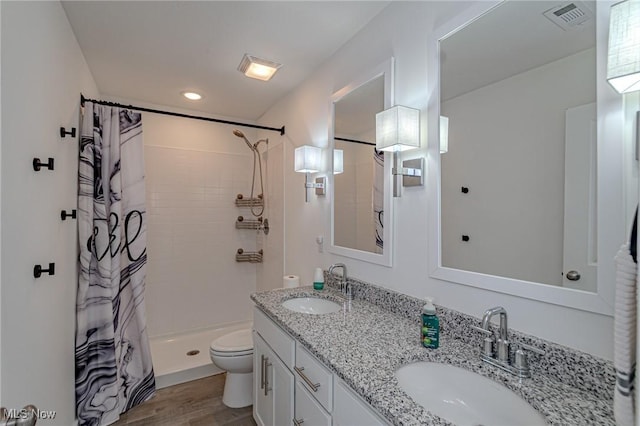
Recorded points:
519,203
361,208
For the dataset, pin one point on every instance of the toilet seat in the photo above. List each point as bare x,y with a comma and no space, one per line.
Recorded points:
236,343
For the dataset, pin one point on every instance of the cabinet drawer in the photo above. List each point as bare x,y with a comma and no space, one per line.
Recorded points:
314,376
350,410
308,412
281,343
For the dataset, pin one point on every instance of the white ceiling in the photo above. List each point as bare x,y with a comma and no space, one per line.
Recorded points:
152,51
511,38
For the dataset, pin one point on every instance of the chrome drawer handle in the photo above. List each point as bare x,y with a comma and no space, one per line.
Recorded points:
314,386
297,422
262,371
267,364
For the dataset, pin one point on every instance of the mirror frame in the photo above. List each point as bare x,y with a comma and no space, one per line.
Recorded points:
386,258
610,202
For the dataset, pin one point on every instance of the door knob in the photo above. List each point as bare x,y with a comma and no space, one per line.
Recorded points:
573,275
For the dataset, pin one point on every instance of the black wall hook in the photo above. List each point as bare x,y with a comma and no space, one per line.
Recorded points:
464,190
64,215
465,238
37,270
63,132
37,164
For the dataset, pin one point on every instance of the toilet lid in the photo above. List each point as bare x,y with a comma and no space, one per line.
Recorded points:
236,341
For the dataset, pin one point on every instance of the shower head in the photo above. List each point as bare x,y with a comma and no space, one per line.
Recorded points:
239,134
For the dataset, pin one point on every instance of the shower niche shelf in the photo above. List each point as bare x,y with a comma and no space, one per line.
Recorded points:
249,202
249,256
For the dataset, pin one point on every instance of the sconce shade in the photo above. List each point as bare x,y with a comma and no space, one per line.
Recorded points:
398,129
338,161
623,62
307,159
444,134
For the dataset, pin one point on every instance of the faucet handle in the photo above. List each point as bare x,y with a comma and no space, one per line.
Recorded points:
531,348
482,330
348,290
487,343
521,361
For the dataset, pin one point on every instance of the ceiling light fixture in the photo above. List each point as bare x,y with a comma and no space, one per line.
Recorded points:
192,96
260,69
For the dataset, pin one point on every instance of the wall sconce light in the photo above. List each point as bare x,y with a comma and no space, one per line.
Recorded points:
623,62
338,161
397,130
307,161
444,134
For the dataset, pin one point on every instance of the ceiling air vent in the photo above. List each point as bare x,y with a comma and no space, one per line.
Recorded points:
569,16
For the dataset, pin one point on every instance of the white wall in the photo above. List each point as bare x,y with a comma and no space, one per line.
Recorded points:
507,145
403,30
194,169
43,73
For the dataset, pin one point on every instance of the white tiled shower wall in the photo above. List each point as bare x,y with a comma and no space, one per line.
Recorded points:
193,173
270,271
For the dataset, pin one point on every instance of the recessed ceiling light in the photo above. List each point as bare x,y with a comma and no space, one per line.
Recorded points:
192,96
260,69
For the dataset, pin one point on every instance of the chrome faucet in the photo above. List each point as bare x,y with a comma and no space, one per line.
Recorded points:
345,286
503,342
519,365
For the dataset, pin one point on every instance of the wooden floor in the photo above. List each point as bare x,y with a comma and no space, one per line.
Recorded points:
196,403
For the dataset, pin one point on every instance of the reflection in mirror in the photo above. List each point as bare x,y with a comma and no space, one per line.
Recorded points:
519,90
358,197
361,208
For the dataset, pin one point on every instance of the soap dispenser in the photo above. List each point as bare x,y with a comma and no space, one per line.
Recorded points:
430,325
318,279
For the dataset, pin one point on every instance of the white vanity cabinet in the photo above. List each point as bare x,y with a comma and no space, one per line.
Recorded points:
273,382
272,386
292,387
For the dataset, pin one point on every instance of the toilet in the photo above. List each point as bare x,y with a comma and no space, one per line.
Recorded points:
233,353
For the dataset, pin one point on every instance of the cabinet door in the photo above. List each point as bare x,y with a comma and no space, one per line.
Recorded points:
350,410
262,401
280,384
308,410
272,386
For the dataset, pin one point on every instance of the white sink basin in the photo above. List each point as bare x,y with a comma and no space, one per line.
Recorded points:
463,397
311,305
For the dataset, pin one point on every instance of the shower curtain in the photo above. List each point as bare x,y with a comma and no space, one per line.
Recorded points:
113,361
378,197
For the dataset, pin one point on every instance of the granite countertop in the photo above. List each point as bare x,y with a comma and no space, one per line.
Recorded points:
366,344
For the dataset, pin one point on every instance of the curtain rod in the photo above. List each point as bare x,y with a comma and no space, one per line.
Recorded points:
177,114
354,141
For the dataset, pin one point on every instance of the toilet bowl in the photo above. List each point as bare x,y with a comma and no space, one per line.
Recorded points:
233,353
